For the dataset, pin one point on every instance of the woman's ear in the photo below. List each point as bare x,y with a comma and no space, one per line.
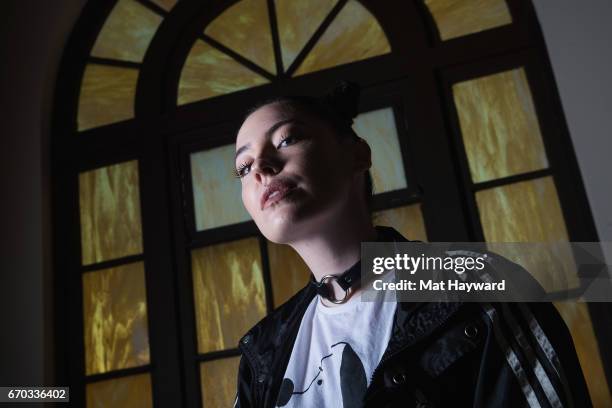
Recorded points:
363,155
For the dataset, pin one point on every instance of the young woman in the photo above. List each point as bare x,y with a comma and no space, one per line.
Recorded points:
305,182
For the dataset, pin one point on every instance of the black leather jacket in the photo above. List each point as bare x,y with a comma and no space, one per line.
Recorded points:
440,354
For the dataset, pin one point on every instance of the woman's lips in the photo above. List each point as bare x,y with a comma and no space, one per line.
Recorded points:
276,191
276,197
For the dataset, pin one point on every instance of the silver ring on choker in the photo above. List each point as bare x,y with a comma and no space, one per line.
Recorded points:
346,291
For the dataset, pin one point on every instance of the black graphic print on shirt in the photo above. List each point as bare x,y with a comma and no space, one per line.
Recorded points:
353,381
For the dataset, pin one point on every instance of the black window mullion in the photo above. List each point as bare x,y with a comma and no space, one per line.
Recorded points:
239,58
266,275
69,326
114,62
162,297
515,178
154,8
184,281
289,71
218,355
275,38
112,263
445,214
117,374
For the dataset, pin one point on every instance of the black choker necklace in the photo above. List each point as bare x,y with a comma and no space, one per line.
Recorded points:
351,279
348,281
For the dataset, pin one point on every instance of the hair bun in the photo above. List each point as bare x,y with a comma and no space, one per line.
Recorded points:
344,100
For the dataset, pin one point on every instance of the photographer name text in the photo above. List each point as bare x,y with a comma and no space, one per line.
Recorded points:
435,286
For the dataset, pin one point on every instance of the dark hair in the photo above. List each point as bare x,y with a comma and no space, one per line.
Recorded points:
337,108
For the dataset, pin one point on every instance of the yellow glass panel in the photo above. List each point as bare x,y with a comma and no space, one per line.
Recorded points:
124,392
499,125
578,320
115,318
353,35
228,291
216,193
297,22
165,4
218,382
245,29
378,129
530,211
109,201
456,18
107,95
127,32
288,272
208,72
407,220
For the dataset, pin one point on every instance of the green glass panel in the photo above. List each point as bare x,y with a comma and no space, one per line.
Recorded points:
245,29
115,318
218,382
123,392
109,203
127,32
407,220
107,95
378,129
354,35
208,72
297,22
529,211
456,18
288,272
499,125
228,291
217,195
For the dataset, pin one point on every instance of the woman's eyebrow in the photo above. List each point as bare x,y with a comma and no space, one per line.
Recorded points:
268,134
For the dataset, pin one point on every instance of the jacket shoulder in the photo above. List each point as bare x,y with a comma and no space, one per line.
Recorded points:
270,330
522,285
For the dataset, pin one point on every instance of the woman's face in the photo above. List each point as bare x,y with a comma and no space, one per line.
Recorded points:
295,172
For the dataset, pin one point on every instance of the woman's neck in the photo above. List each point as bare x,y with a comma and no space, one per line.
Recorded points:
335,248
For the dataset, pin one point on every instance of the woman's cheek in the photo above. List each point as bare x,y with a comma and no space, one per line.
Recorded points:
314,164
249,199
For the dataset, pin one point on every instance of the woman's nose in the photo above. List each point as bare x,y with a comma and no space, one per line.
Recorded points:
264,167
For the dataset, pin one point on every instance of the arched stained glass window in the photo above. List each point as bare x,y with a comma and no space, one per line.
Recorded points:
456,18
353,34
211,69
245,29
127,32
297,23
108,86
107,95
209,72
160,266
167,5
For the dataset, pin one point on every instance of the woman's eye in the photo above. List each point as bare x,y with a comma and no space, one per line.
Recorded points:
243,170
287,141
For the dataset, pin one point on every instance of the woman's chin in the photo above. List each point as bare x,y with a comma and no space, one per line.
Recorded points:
280,228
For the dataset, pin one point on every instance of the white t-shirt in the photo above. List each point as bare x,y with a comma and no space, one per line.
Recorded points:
336,351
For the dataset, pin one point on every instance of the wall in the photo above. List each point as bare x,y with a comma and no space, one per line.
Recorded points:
32,36
577,36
